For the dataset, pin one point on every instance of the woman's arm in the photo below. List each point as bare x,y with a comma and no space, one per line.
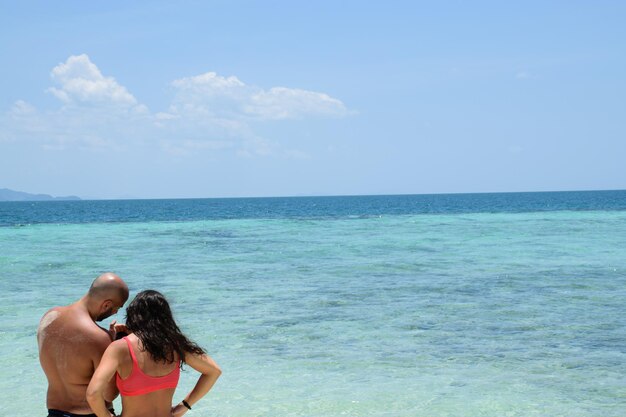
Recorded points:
210,372
101,379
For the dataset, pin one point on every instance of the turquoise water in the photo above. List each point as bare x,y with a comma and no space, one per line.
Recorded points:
505,313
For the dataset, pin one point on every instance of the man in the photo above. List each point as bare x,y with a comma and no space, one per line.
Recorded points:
71,345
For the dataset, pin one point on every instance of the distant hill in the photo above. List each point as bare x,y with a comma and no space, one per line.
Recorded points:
10,195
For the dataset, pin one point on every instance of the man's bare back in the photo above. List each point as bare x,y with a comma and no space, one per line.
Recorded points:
71,344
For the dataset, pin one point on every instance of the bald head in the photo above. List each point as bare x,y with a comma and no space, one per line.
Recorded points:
108,285
106,295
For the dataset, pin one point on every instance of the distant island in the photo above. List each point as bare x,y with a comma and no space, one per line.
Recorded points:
11,195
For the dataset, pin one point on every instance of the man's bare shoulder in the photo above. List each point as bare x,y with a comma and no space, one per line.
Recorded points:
93,334
71,325
50,316
50,324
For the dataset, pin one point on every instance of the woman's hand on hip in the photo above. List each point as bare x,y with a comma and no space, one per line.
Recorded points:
179,410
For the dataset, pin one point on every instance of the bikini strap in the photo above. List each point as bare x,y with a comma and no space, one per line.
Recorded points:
132,352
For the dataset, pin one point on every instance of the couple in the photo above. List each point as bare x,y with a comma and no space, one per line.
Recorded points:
86,366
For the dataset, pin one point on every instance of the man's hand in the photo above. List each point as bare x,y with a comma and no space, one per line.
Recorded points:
115,328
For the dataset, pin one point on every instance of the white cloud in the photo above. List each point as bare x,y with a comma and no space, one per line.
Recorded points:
209,113
22,109
209,83
291,103
212,94
80,81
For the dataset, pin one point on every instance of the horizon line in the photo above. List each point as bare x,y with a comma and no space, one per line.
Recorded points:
343,195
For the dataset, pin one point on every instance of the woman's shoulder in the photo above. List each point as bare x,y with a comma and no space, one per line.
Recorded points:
118,346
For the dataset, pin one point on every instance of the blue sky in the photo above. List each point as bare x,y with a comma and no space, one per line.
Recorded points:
240,98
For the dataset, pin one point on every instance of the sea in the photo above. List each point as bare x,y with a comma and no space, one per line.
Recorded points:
508,304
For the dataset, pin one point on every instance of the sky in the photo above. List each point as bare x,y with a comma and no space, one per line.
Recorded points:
193,99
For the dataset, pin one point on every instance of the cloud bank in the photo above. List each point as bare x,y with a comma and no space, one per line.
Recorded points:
207,112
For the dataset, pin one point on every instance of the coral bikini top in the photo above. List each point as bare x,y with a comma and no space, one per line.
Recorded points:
138,383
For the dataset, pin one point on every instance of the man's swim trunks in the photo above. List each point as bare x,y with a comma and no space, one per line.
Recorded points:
58,413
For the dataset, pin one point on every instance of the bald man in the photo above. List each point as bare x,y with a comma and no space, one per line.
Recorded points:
71,345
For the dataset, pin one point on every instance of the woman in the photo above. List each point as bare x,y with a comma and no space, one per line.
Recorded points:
146,364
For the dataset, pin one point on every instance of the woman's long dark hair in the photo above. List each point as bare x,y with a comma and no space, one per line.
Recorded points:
150,318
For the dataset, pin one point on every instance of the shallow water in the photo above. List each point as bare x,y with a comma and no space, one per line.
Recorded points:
500,313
